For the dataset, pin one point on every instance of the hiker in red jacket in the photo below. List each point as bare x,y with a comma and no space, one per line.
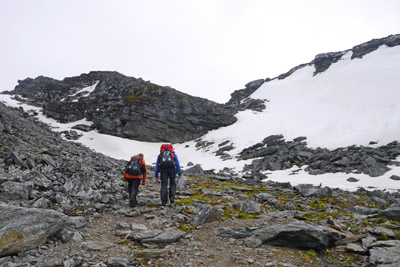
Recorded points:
135,173
168,165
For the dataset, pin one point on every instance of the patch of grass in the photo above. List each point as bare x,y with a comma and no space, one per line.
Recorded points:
186,228
218,202
311,253
227,213
382,238
184,202
397,236
189,211
245,216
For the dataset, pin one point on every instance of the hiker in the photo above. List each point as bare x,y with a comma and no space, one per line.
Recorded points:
168,165
135,173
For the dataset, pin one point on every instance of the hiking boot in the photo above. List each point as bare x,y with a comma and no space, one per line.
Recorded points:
172,201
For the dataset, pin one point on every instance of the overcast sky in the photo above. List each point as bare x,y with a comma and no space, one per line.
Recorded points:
206,48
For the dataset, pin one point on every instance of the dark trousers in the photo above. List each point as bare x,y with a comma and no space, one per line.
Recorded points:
133,189
167,175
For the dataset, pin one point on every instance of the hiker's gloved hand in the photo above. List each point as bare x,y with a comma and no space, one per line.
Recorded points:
156,179
124,179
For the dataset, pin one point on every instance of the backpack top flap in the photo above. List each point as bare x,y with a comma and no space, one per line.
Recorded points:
167,147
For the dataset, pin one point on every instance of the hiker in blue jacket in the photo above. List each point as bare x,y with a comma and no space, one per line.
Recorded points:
168,165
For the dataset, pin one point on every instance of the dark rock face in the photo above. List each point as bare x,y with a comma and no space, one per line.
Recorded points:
238,95
360,50
323,61
126,107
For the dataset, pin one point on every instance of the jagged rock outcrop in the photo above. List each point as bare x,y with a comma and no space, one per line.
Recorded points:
239,98
126,107
275,153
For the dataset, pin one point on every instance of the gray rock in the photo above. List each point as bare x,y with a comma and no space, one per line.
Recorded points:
117,262
138,227
362,210
206,214
395,177
248,207
22,229
168,236
381,231
96,246
14,191
122,225
384,255
196,170
42,203
252,242
295,234
392,213
312,191
299,234
356,248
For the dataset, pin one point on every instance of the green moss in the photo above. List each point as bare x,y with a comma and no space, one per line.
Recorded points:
311,253
10,238
218,202
312,216
366,224
282,199
227,213
317,205
382,238
397,236
244,216
184,202
187,210
186,228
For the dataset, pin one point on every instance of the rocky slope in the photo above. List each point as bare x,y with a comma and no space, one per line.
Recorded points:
125,106
65,205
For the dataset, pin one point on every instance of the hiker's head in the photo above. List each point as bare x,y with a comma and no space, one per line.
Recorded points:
141,155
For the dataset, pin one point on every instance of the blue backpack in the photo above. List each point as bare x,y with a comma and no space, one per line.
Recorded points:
134,166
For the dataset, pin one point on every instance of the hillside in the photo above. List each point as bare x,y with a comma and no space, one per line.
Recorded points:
63,204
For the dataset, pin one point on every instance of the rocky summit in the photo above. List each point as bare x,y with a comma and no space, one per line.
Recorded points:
62,204
125,106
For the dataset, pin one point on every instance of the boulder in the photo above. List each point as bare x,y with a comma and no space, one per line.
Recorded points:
23,229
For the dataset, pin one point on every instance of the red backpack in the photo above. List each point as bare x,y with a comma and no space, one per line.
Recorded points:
167,157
